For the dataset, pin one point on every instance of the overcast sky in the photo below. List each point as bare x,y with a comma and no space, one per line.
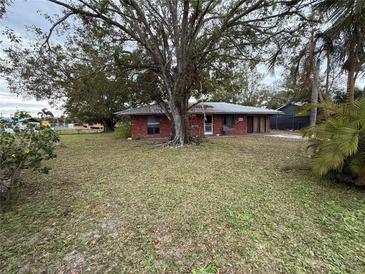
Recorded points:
20,14
23,13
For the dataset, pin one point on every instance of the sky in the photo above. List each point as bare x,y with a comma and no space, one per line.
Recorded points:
23,13
20,14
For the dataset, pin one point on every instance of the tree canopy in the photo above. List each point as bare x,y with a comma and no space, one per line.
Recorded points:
183,41
346,31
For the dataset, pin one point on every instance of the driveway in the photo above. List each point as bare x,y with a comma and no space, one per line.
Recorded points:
294,135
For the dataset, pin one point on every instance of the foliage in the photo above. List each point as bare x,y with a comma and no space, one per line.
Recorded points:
3,6
345,29
23,149
331,42
340,96
241,85
45,113
101,85
123,130
338,143
86,74
21,114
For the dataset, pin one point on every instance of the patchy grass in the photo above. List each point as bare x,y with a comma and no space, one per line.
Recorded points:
246,204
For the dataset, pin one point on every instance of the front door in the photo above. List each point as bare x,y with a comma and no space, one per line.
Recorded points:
208,125
262,124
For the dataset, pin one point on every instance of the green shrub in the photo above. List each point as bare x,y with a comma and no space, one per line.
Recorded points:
123,130
23,149
338,143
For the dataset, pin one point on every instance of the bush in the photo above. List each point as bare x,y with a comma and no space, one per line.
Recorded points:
338,143
123,130
24,149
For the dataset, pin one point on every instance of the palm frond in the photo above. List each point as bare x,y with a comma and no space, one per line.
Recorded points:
338,143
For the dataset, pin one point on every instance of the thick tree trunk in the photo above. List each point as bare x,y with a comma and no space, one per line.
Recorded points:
108,125
172,124
179,114
315,93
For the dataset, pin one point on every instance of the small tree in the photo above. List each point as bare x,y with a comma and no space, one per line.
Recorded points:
23,149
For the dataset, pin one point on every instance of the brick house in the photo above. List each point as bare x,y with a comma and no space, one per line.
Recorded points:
205,119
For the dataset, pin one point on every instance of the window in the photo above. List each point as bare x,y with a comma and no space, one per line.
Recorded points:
153,124
228,120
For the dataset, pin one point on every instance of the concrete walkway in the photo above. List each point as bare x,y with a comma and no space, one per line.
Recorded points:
287,135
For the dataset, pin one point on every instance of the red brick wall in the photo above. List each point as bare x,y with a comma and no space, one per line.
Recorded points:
139,127
240,124
165,127
196,123
217,124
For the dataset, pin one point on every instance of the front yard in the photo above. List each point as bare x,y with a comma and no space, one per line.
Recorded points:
245,204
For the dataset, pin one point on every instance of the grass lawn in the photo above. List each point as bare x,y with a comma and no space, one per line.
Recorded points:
245,204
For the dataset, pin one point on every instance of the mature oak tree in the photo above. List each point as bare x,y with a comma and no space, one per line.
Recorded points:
181,39
87,73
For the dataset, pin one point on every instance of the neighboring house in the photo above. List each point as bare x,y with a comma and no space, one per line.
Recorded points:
205,119
87,126
290,120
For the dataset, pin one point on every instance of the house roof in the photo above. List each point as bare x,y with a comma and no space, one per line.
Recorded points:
205,107
297,104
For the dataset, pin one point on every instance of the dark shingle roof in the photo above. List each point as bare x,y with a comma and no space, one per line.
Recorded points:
206,107
297,104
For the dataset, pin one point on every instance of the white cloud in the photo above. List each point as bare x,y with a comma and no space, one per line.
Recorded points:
9,103
21,14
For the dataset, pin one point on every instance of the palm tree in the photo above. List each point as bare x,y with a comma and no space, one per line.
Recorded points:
45,113
338,143
307,63
347,30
